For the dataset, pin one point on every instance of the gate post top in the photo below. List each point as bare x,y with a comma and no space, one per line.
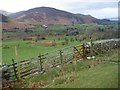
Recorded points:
13,60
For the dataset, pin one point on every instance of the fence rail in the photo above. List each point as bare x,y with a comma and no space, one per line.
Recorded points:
49,60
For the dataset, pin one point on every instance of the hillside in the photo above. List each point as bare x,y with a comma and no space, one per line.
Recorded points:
46,15
3,18
8,23
5,12
78,75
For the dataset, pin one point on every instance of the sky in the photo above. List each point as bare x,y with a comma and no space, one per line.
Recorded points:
98,8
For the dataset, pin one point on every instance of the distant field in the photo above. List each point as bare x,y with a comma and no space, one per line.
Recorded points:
77,26
54,33
28,50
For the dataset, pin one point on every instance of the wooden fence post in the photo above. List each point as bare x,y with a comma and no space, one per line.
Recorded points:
18,67
91,47
14,67
100,49
61,57
53,63
40,59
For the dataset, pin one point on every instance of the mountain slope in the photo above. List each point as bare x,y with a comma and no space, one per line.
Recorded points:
46,15
3,18
5,12
8,23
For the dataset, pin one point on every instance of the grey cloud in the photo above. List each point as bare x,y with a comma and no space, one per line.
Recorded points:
97,9
102,5
90,5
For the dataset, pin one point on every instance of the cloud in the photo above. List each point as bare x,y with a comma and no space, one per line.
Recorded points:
76,7
96,9
103,13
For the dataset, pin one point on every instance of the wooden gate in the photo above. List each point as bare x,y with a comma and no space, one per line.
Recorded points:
79,52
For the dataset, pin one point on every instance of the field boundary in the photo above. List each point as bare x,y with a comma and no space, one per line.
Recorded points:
44,62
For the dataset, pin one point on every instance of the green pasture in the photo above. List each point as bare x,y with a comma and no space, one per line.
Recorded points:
77,26
79,75
28,50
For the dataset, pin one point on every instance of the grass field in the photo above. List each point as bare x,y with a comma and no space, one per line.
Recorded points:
28,50
79,75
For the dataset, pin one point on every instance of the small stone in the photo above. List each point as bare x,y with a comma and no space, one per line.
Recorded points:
88,58
58,66
93,57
